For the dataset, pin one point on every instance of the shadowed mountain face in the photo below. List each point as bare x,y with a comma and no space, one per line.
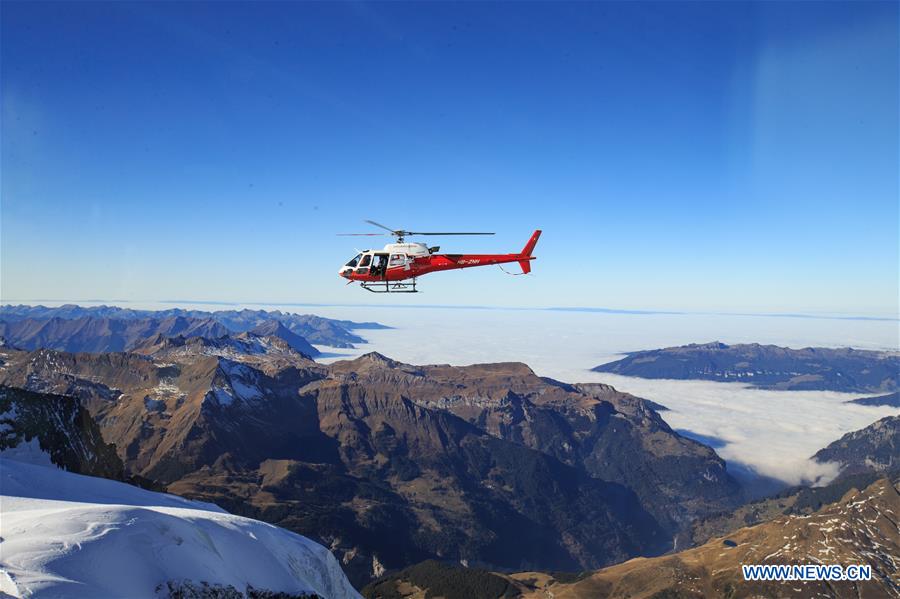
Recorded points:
432,578
471,496
875,448
859,528
275,328
111,328
390,464
766,366
61,428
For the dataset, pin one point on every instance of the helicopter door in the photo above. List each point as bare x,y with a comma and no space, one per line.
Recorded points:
379,265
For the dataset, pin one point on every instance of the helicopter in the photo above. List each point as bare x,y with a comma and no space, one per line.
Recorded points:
395,268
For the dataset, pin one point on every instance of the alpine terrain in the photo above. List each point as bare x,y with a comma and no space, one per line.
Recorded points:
71,535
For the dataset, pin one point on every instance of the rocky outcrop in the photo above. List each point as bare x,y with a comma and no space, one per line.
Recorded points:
875,448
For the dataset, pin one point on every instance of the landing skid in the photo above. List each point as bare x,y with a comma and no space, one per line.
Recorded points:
390,287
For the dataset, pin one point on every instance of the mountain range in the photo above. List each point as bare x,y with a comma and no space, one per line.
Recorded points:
422,480
389,464
110,328
767,366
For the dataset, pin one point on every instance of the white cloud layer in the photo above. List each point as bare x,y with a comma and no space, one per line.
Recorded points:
772,432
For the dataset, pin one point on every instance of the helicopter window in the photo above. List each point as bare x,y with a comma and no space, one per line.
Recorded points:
355,261
397,260
366,260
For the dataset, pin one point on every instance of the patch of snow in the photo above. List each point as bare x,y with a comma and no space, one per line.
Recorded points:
78,536
377,567
244,391
7,419
166,387
242,380
9,414
222,395
27,452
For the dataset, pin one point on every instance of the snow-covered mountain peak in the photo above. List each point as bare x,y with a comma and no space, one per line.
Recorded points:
70,535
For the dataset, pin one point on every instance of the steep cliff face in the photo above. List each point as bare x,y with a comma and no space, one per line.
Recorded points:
875,448
612,436
59,427
481,498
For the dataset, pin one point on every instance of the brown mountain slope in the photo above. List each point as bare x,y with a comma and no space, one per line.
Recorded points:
171,416
593,427
394,483
861,528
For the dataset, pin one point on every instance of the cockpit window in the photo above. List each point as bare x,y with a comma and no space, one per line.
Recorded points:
354,262
366,260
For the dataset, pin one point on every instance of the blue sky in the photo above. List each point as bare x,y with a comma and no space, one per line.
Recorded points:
691,156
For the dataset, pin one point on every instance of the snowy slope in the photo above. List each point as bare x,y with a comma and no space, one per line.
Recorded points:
67,535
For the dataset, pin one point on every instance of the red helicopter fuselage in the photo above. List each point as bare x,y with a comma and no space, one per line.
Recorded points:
402,261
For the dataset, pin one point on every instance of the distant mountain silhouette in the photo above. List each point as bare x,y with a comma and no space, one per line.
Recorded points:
767,366
891,400
314,329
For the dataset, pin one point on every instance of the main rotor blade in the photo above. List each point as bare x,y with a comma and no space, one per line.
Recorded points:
360,234
422,233
372,222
